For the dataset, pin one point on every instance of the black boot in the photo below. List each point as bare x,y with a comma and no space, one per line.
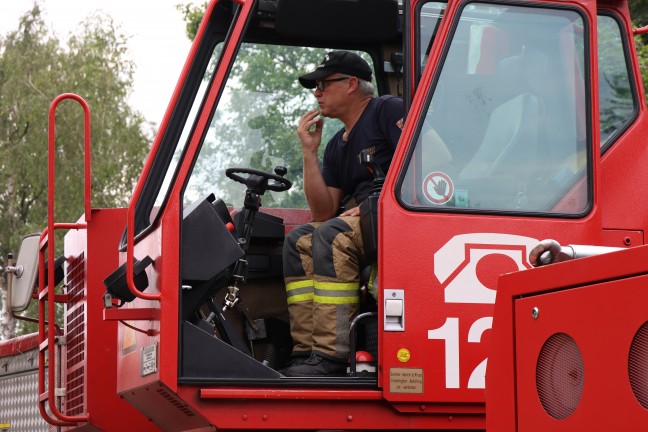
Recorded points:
296,360
316,365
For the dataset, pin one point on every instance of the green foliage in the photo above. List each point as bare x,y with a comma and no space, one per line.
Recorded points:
642,52
255,122
639,11
639,15
35,67
192,15
273,70
615,90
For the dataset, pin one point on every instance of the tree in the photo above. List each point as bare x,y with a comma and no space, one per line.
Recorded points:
193,14
639,15
639,11
255,123
35,67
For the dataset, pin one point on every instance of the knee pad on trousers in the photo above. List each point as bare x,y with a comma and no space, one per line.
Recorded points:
323,238
292,260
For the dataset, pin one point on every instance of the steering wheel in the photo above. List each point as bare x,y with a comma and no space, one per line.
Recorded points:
259,181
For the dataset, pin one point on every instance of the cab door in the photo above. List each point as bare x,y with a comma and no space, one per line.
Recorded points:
156,208
497,154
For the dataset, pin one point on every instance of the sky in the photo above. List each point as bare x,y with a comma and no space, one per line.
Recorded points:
156,40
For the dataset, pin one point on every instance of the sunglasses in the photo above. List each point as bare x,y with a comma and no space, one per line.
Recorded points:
321,85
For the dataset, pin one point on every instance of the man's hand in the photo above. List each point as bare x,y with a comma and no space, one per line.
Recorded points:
355,211
310,139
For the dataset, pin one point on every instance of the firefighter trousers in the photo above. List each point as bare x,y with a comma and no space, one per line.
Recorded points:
321,269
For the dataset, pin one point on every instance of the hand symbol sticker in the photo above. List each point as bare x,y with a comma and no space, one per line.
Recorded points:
438,188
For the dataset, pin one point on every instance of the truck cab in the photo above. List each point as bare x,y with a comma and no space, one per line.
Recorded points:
523,121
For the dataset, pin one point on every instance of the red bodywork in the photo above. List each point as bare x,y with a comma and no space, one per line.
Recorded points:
536,381
444,265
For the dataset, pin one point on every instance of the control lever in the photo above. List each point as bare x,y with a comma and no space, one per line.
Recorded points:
367,160
369,207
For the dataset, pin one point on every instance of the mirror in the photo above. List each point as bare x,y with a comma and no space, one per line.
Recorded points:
23,273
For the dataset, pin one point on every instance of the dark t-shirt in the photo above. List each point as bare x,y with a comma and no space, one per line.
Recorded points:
378,128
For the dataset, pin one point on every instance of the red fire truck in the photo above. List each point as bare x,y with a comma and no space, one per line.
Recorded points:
524,121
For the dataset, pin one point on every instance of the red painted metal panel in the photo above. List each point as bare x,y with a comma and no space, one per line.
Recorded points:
622,238
621,169
437,321
130,341
287,394
602,320
18,344
169,411
344,413
96,251
599,303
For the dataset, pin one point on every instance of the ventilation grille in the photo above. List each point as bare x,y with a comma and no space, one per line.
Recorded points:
638,365
75,346
182,407
560,376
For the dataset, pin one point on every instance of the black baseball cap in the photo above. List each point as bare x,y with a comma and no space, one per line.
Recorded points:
344,62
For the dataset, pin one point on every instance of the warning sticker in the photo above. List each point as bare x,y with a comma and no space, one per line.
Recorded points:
148,360
406,380
403,355
438,188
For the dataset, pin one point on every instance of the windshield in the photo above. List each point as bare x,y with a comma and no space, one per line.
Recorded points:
505,125
255,124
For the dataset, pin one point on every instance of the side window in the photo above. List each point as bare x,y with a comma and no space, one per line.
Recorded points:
255,123
184,135
429,19
616,96
505,123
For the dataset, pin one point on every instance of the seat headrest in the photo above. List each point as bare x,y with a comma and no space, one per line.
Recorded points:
525,72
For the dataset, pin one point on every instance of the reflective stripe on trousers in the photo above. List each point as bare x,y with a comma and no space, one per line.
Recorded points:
321,271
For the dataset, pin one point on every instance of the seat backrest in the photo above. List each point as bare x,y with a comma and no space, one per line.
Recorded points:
512,137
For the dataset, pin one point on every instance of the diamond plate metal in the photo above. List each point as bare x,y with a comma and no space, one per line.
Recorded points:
19,393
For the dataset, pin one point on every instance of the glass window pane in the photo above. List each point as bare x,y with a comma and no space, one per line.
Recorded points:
429,19
616,104
505,124
255,124
184,136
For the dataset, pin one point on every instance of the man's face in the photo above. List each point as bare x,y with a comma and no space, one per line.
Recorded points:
332,93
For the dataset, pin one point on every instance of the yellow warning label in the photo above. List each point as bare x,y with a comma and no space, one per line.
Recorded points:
403,355
5,425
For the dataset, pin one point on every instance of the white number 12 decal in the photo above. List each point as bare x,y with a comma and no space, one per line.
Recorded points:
449,332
